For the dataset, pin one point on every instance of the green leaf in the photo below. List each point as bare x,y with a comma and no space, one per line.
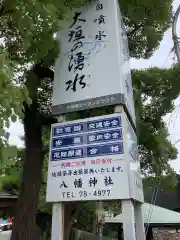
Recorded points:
13,118
7,134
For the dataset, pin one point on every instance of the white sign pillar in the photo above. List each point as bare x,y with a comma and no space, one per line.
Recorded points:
57,231
133,224
128,220
90,157
139,222
129,232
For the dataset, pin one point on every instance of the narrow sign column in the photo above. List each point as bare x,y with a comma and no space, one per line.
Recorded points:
57,232
128,220
129,232
140,233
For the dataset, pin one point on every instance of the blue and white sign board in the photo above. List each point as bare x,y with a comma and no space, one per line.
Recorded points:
88,160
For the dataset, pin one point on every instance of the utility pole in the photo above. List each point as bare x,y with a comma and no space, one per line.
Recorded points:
174,34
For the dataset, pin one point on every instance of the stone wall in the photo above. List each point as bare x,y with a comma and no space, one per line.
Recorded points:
165,235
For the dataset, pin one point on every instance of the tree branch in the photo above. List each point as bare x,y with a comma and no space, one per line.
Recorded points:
3,11
43,72
47,120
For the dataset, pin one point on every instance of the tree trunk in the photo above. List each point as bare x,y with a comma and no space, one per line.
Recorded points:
71,212
24,227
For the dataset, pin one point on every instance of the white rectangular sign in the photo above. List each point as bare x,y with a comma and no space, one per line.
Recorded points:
87,160
136,188
93,68
126,72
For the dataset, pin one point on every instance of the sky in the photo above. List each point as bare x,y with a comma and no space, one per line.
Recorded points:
162,58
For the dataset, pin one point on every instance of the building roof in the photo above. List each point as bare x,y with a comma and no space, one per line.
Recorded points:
7,195
166,199
154,215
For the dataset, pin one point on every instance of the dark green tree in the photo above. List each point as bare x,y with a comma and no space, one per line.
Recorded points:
155,89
